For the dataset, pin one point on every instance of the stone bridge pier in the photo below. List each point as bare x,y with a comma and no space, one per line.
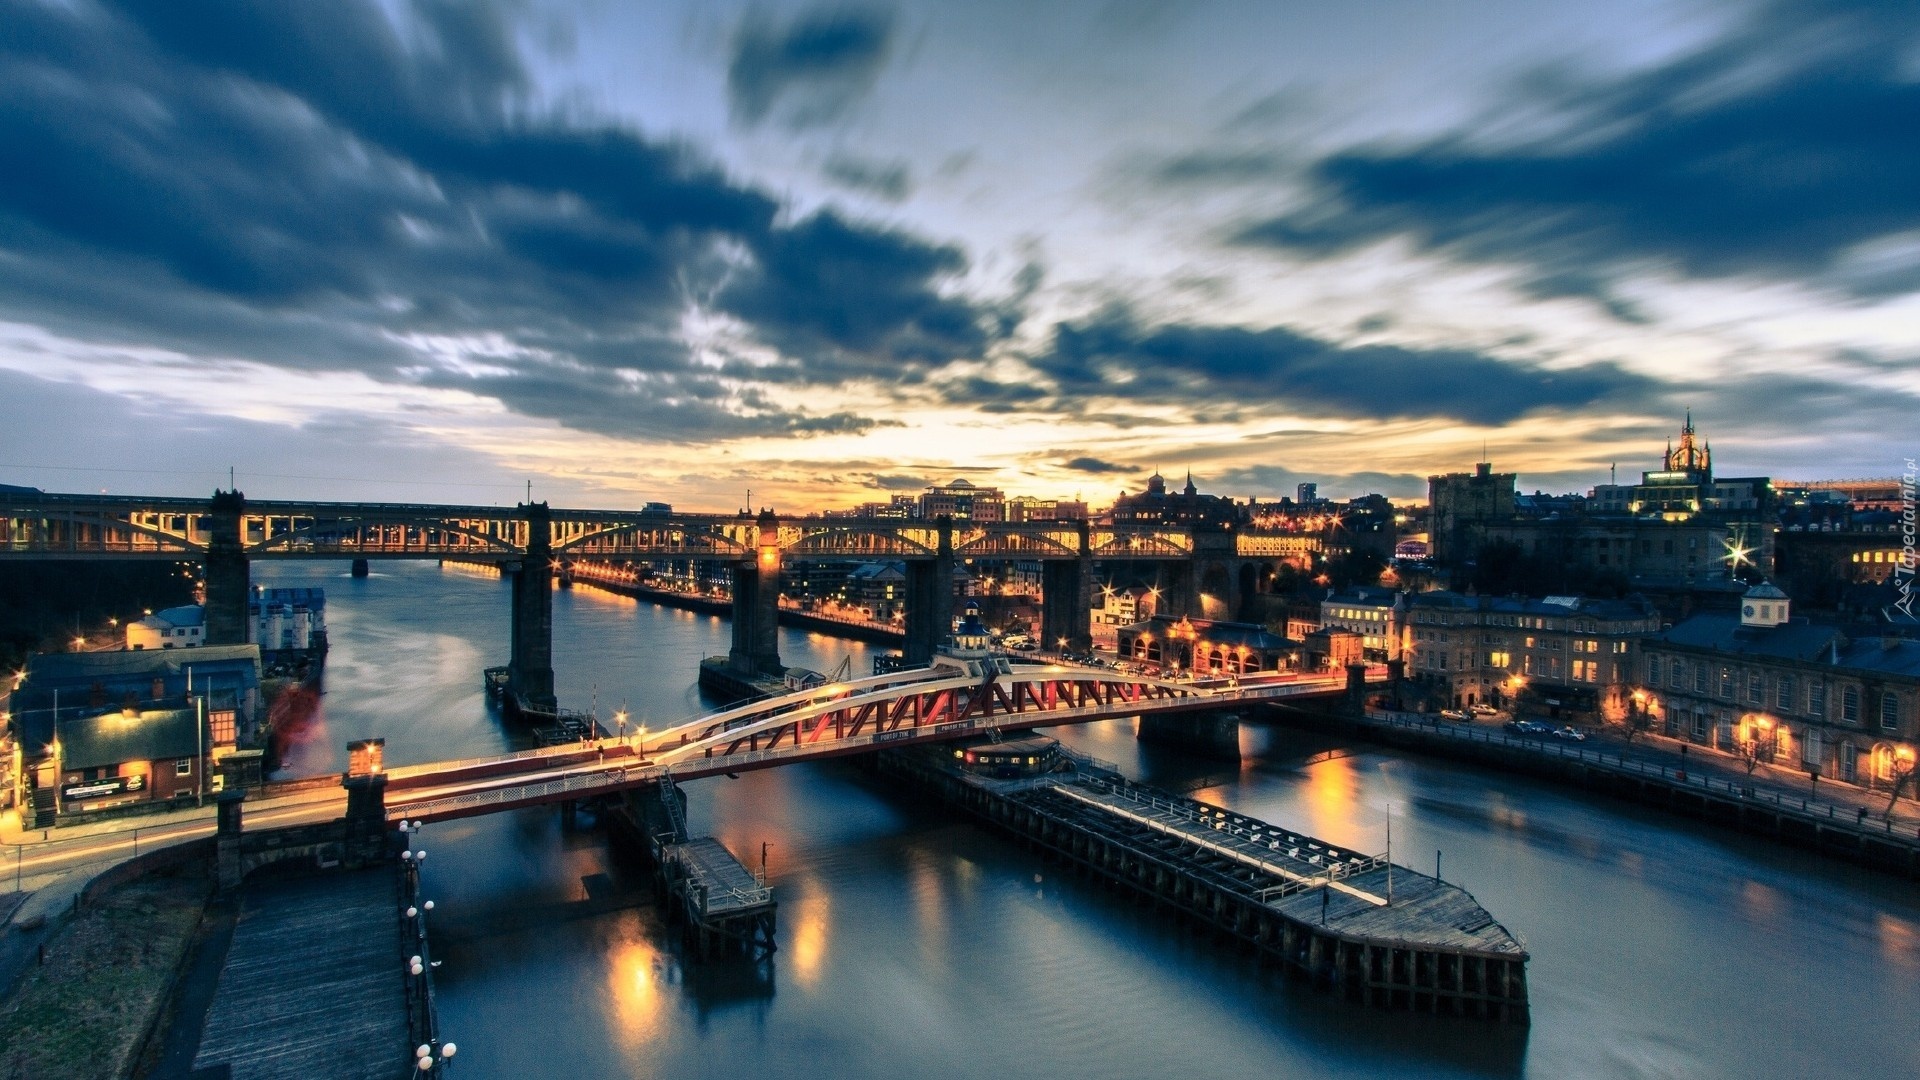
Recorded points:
530,665
1207,733
1066,600
226,571
756,606
930,599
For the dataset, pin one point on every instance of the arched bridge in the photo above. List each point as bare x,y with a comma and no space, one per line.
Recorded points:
1199,564
928,705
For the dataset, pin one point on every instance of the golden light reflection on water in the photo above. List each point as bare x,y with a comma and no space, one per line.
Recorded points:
809,916
1761,902
635,971
1899,940
1332,798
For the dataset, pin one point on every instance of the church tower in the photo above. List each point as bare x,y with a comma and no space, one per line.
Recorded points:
1691,456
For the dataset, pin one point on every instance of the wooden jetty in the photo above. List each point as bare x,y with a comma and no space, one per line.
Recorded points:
1348,921
722,908
313,983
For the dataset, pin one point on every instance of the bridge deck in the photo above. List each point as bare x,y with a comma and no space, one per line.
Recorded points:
729,888
1283,870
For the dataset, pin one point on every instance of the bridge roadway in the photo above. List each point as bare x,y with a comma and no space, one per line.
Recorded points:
49,525
902,708
1202,568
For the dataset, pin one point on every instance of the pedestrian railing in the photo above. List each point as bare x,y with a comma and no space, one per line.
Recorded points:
1855,819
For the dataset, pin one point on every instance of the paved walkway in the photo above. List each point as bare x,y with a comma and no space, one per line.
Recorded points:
1847,801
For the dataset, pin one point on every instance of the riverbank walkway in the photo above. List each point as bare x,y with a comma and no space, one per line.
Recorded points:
1705,768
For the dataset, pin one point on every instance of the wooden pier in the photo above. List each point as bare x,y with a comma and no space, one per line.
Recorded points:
722,908
1324,913
313,983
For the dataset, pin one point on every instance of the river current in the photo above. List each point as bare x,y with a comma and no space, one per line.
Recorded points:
915,944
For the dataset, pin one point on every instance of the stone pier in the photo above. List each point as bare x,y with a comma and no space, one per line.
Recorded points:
530,665
226,571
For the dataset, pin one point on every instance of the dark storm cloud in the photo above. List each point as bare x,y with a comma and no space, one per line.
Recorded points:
1269,481
1201,366
864,297
810,71
323,185
1771,153
890,180
1094,465
1236,166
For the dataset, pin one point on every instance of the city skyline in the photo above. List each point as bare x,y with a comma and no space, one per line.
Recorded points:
830,253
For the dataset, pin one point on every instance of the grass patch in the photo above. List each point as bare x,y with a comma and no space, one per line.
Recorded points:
84,1012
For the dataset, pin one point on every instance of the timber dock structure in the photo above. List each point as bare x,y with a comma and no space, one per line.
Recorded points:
1350,923
722,908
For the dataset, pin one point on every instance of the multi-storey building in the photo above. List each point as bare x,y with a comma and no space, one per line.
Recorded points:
1369,611
1644,551
1565,655
1786,690
1158,506
1027,508
1462,505
962,501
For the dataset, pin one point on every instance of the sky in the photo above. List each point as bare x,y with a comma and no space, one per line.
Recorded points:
723,254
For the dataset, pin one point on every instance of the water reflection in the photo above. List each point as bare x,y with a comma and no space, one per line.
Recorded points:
913,942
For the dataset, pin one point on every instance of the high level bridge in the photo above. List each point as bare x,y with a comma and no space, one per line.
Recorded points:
945,702
1202,565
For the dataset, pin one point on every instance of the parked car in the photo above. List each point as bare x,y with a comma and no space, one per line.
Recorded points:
1455,714
1483,710
1570,733
1529,727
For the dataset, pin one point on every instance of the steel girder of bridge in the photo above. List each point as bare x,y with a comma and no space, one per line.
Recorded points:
879,712
41,525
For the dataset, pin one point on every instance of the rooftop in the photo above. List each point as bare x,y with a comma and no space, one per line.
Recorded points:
112,738
1801,640
49,668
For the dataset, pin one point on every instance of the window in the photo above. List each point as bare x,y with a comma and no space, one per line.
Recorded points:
1699,678
1499,659
1850,705
1783,694
1726,682
1817,700
183,767
1699,723
1620,648
1756,689
220,725
1653,671
1889,711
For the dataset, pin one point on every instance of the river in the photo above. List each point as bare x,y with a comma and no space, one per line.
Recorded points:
912,943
